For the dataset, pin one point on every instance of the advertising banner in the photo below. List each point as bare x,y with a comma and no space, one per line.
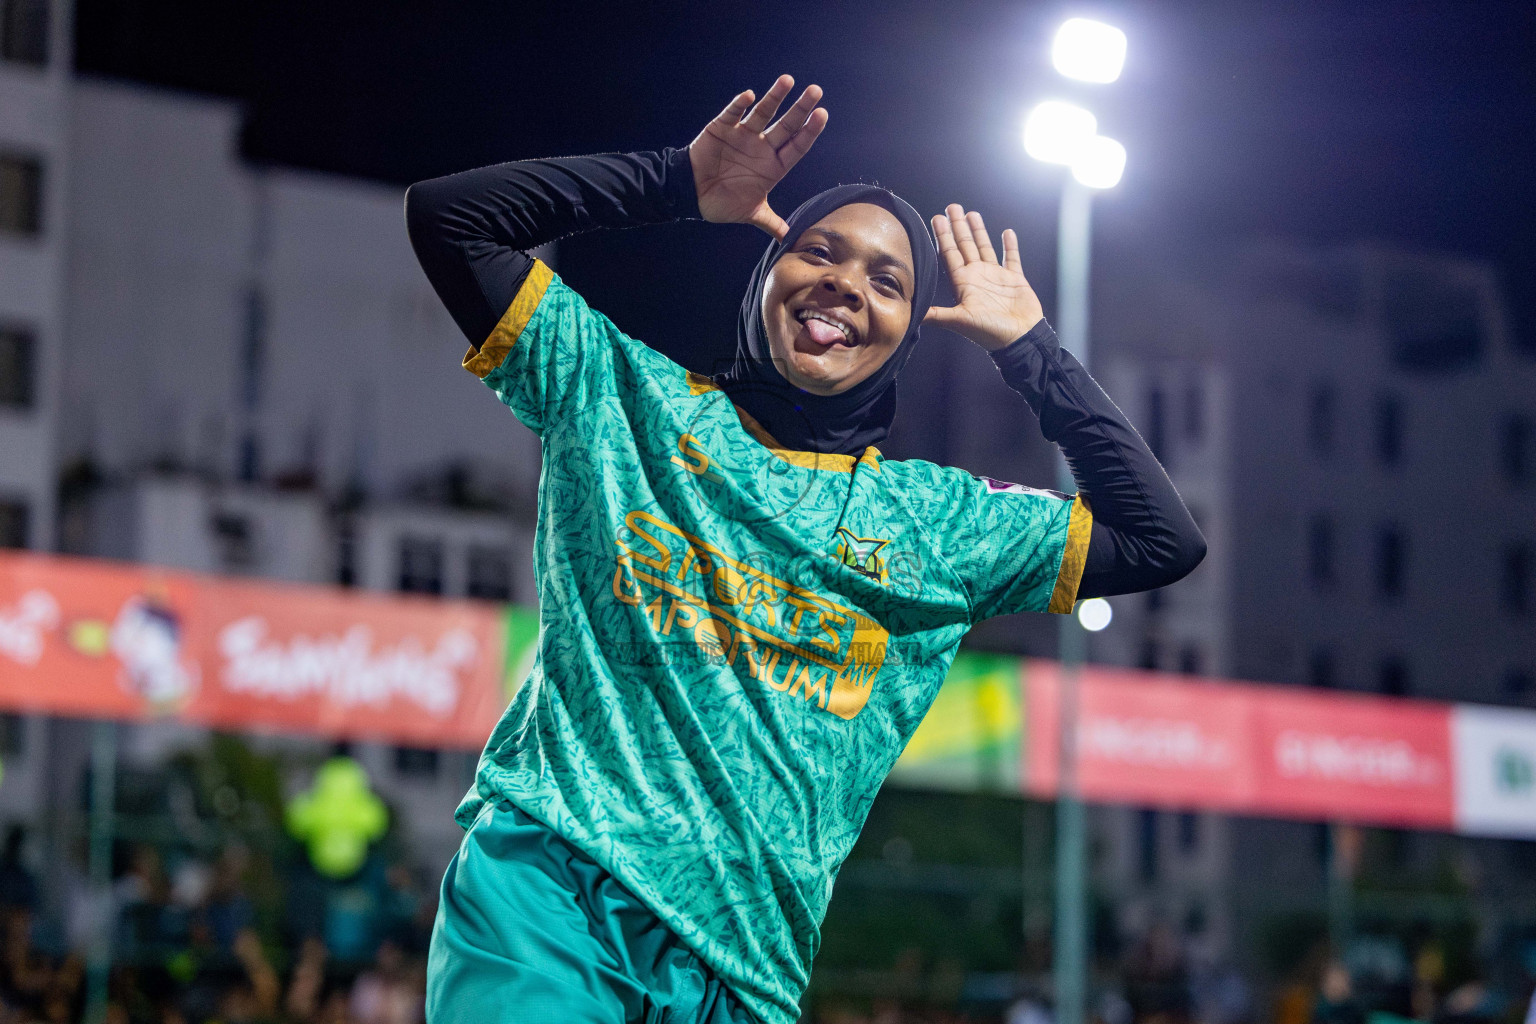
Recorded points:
419,670
91,638
94,638
972,736
1149,738
1495,771
100,639
1353,757
1145,738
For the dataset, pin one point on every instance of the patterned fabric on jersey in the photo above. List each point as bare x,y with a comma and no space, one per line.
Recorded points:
736,640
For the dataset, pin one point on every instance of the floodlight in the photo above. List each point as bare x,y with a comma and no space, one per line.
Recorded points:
1055,131
1099,162
1094,613
1089,51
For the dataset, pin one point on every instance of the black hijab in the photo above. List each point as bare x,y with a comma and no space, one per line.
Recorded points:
844,423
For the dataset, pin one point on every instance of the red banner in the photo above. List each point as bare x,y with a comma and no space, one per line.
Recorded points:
1145,738
99,639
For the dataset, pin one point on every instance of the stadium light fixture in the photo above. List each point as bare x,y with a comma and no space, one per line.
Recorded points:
1099,162
1095,613
1089,51
1056,131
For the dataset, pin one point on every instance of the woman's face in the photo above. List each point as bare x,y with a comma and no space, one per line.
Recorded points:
838,302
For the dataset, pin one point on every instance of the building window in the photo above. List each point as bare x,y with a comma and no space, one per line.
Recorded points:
1391,556
1517,449
21,195
1517,684
490,573
1146,828
249,470
253,346
1156,600
1389,430
1321,670
1189,831
1156,425
18,352
1392,677
1322,416
1149,655
24,31
1190,660
417,762
235,539
1194,412
421,565
13,735
13,524
1515,578
1434,323
1320,544
346,554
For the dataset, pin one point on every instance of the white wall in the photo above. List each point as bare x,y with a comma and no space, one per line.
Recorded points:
34,113
359,375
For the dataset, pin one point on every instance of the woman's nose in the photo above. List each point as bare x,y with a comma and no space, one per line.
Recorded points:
843,287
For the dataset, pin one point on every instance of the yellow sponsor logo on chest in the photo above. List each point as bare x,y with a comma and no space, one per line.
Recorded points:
792,639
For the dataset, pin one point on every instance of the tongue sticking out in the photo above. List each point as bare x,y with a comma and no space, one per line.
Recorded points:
823,333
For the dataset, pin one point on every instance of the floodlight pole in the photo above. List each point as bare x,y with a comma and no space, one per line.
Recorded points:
1070,956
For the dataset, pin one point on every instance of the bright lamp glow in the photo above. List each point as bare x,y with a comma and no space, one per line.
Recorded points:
1055,131
1099,162
1089,51
1094,613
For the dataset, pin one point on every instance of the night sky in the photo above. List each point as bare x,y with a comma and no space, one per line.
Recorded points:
1394,121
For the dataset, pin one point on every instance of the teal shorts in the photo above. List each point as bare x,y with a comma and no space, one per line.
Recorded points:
531,931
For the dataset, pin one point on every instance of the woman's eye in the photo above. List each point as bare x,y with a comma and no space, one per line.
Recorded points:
819,251
889,283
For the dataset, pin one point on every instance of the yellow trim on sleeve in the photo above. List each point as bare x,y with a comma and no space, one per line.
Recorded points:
1073,558
495,349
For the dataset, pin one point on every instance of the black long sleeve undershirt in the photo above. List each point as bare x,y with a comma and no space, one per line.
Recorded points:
470,231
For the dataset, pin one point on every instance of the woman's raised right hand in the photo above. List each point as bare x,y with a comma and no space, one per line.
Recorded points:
738,159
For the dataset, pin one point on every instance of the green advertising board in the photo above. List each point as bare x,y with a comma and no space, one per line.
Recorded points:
522,628
972,737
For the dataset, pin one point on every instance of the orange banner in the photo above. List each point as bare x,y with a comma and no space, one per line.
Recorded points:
99,639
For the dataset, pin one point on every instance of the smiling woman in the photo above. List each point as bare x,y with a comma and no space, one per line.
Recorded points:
745,609
839,303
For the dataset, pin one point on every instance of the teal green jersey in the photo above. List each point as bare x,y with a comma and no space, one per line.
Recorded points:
735,640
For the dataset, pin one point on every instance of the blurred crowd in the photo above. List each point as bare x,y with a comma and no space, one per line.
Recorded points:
1166,978
236,939
191,946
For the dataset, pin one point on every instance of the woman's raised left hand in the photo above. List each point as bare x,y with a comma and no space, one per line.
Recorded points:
994,303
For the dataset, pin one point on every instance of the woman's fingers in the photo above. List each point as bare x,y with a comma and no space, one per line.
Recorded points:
764,217
758,117
1011,251
731,115
949,252
962,232
795,118
942,316
800,142
979,233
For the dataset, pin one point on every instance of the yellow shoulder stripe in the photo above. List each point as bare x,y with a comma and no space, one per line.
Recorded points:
495,349
1073,558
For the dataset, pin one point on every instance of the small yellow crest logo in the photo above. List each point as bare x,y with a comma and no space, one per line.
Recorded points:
861,554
